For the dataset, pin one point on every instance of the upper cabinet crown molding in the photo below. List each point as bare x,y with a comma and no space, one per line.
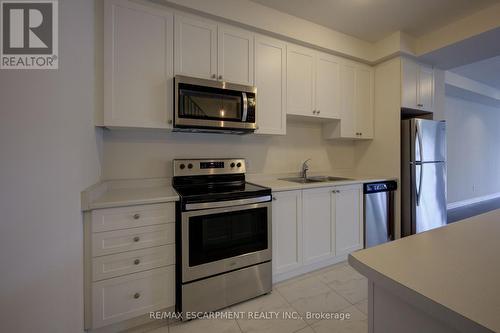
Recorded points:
138,65
417,85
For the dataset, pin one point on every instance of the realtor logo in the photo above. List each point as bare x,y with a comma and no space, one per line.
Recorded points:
29,34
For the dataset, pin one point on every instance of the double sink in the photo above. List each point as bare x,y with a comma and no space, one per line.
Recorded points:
314,179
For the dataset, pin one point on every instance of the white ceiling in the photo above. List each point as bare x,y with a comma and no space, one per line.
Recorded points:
485,71
373,20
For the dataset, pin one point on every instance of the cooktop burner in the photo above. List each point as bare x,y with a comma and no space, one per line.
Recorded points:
213,180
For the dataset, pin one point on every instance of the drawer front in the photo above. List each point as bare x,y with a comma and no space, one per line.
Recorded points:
117,241
125,297
132,217
114,265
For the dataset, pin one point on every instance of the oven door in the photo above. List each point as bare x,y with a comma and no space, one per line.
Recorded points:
224,239
212,104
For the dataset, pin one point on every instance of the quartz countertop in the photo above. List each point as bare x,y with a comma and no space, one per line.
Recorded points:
454,269
119,193
277,185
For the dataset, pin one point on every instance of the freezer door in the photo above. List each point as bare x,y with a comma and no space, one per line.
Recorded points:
429,140
429,201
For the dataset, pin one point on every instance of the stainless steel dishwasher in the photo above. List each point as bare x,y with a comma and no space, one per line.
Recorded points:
379,212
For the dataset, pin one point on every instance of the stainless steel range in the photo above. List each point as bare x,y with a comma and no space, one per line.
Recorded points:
223,230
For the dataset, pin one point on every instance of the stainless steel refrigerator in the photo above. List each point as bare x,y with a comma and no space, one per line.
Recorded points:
423,175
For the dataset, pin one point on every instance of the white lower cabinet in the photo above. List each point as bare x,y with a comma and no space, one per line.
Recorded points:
313,228
129,263
131,295
317,221
287,231
348,216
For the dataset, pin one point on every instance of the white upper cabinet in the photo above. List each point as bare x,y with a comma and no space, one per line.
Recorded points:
195,47
348,216
235,55
356,104
313,83
300,80
208,50
138,65
417,91
270,80
327,86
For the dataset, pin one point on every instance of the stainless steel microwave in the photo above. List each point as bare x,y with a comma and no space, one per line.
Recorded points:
213,106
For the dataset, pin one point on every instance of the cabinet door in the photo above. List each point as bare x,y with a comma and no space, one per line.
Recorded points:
195,47
425,88
138,65
317,224
364,102
270,80
235,55
348,202
409,93
287,231
327,86
348,95
300,81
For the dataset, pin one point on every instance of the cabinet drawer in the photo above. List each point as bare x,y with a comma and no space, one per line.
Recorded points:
114,265
116,241
132,217
122,298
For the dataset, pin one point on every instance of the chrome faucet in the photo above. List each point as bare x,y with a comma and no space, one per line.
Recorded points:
305,168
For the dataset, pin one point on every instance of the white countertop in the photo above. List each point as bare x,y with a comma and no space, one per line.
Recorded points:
277,185
119,193
457,267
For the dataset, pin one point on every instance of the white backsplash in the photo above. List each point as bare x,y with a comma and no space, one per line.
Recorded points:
147,154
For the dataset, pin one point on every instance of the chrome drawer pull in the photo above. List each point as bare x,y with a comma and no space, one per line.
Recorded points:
137,262
137,295
137,238
137,216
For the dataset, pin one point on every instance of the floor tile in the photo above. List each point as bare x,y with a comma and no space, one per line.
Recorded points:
306,329
278,324
206,326
356,324
303,288
326,302
362,306
354,290
340,274
261,303
163,329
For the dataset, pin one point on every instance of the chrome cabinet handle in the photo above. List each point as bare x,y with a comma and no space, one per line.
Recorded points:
214,76
220,77
170,121
137,295
318,111
137,216
420,105
136,239
137,262
314,111
274,198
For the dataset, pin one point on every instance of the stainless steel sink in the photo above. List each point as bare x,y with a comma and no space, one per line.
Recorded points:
313,179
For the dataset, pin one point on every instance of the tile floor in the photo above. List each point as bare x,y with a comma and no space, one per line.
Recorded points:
335,289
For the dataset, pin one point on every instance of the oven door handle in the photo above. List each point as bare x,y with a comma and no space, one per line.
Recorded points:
245,107
227,203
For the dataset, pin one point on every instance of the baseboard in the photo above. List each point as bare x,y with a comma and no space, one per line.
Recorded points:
471,201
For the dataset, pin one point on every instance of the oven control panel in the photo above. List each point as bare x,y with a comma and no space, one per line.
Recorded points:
199,167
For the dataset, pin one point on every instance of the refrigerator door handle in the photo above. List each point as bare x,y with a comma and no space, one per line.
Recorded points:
419,189
418,134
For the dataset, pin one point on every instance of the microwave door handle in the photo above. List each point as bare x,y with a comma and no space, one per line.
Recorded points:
245,107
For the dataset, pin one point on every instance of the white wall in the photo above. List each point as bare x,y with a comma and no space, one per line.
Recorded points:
49,153
473,142
139,154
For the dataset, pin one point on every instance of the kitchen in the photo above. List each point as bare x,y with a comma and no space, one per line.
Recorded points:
145,162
